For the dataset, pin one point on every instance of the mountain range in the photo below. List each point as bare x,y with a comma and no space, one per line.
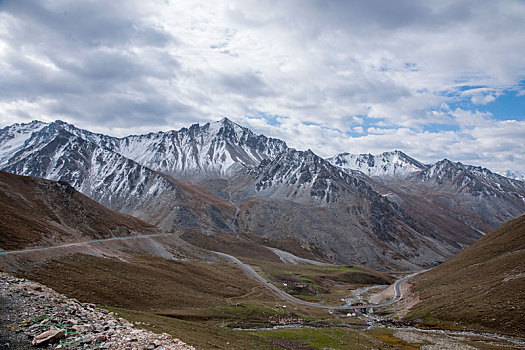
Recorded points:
220,180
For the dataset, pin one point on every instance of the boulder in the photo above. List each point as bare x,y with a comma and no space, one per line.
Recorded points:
49,336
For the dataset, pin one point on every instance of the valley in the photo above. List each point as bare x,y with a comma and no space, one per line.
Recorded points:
230,240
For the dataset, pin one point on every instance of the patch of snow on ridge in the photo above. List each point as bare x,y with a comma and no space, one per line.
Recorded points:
388,164
14,137
514,175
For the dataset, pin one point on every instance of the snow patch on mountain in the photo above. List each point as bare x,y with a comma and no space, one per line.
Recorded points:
13,138
394,164
476,180
514,175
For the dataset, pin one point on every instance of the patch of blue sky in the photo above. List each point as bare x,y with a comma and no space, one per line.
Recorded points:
411,66
438,127
272,119
361,129
506,107
311,123
353,133
509,105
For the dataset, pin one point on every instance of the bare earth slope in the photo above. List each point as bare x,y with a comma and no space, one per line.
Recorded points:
481,287
38,212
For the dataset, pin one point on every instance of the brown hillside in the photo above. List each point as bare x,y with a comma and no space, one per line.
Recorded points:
37,212
482,287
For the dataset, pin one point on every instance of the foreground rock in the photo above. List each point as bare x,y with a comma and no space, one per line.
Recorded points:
34,315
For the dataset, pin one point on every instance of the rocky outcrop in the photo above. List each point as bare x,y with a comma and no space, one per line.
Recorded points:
32,314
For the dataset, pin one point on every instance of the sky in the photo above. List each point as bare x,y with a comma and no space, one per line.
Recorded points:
434,79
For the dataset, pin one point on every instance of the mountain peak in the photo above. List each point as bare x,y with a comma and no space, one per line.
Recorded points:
385,165
226,121
514,175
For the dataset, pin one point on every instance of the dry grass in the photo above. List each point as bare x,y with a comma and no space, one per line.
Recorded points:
146,283
38,212
241,247
481,288
197,302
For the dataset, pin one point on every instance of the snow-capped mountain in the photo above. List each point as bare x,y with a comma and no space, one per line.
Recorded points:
473,195
467,178
394,164
514,175
212,150
279,193
50,151
13,138
59,151
217,149
303,177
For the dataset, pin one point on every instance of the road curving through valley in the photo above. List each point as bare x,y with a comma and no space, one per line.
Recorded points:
282,294
285,296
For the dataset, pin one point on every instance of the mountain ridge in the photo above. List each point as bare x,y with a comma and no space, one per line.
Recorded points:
221,178
394,164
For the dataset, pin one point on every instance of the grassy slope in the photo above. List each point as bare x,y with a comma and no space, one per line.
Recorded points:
144,283
481,287
326,283
36,212
202,303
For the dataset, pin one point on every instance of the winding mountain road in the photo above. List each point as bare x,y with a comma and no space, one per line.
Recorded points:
76,244
285,296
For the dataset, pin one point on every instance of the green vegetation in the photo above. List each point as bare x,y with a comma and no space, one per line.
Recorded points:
386,336
315,338
204,304
325,283
204,332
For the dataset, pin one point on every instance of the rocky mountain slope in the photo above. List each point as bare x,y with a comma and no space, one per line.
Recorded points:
300,195
481,287
50,319
394,164
220,178
444,197
38,212
473,195
514,175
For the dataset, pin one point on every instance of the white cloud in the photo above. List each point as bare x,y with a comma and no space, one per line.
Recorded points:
480,95
385,70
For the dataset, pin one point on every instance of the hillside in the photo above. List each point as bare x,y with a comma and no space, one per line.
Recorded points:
38,212
220,179
481,287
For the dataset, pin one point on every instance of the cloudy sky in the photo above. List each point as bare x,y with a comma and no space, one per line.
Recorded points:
435,79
